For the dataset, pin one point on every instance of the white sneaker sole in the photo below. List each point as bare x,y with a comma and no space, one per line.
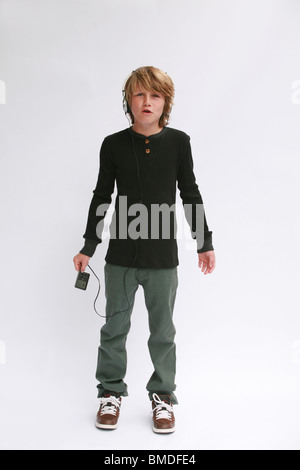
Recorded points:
106,426
163,431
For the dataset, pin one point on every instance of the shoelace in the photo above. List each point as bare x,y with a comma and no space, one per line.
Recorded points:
109,405
163,409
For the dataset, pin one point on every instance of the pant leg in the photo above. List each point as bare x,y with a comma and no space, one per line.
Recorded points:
160,287
120,287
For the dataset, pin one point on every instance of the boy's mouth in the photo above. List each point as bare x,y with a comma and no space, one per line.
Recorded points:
147,111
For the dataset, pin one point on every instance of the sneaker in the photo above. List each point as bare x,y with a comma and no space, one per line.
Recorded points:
163,415
109,411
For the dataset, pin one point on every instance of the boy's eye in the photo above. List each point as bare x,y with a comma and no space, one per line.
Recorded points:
155,95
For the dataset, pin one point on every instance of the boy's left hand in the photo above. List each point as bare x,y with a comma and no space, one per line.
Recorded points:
208,261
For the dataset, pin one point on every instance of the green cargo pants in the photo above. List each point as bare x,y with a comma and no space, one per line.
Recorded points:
121,284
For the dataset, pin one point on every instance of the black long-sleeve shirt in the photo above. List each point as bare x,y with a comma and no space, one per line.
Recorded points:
146,170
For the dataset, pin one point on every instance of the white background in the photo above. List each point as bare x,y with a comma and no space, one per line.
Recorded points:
235,65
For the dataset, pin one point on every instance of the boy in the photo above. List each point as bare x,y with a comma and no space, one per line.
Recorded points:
146,161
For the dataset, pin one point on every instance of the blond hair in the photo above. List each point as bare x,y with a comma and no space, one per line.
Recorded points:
150,79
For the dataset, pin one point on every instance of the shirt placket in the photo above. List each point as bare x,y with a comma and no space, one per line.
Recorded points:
147,148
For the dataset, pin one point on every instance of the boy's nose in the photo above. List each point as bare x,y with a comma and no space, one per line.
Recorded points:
147,100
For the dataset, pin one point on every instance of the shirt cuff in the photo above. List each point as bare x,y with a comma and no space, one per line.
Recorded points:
207,245
89,247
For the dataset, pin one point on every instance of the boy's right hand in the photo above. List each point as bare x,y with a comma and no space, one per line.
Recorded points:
80,262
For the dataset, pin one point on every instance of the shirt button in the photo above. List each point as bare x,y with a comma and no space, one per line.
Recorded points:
147,150
147,141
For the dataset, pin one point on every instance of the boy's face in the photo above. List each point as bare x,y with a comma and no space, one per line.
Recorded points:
147,106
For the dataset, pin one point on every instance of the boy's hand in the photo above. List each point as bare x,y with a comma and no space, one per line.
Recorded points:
208,261
80,262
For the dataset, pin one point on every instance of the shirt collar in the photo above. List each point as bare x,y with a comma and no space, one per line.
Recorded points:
153,136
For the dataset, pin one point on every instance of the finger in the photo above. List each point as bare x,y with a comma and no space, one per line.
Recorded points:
84,265
77,265
202,265
210,269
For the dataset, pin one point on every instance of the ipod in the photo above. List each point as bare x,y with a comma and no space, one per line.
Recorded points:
82,280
